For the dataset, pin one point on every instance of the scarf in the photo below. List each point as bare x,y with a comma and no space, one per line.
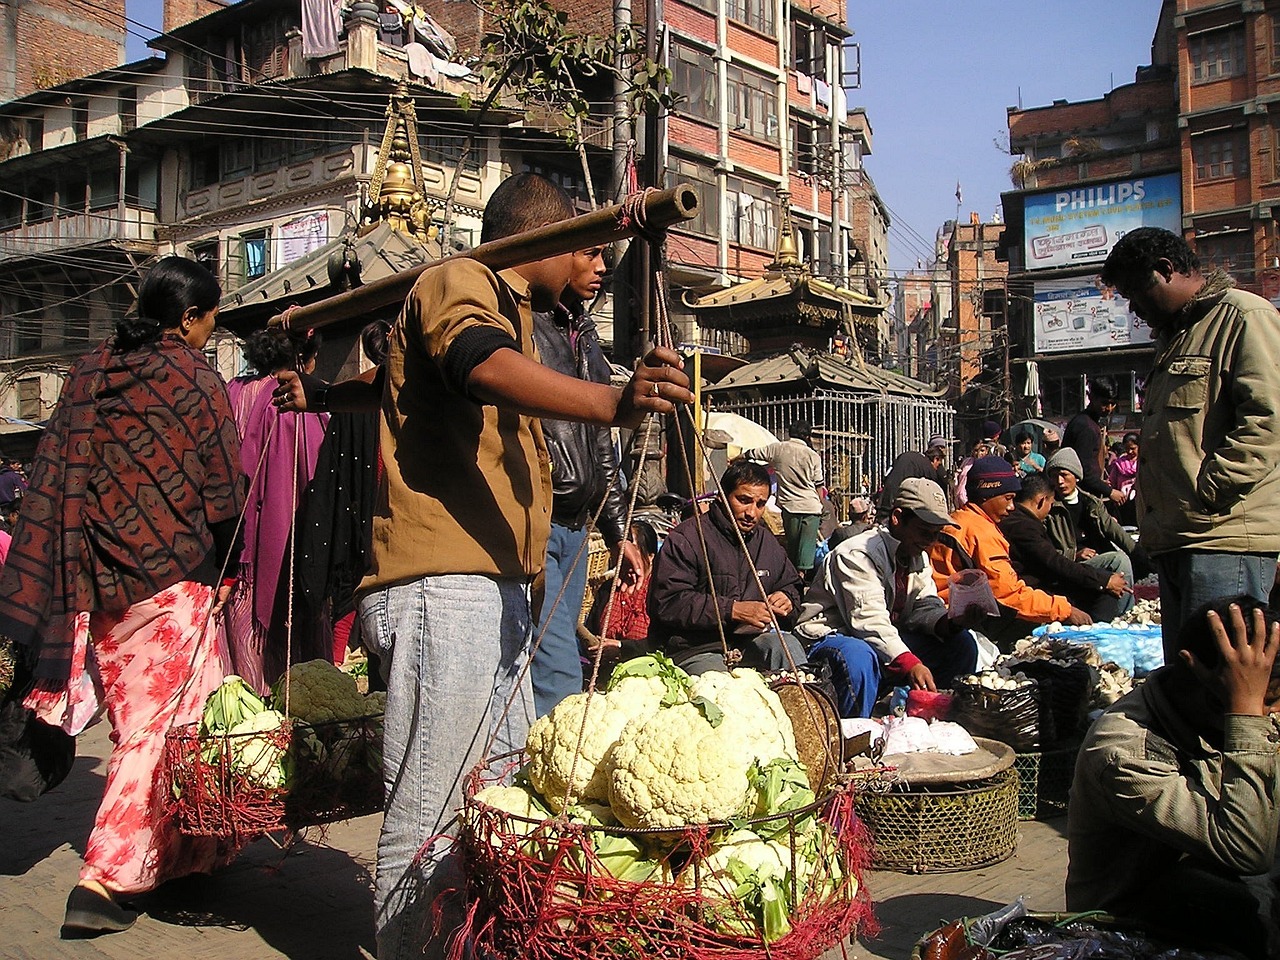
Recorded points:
139,458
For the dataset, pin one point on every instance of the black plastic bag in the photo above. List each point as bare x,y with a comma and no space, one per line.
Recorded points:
1010,716
34,757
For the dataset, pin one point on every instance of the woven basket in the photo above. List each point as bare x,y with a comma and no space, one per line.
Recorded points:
1044,781
333,772
540,892
597,567
941,829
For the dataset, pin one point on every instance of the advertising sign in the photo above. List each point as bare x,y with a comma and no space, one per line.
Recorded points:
1076,314
303,235
1080,225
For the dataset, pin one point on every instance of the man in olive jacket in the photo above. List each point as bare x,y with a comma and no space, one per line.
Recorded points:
1208,487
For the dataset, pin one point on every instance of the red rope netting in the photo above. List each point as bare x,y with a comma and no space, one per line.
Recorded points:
332,772
545,895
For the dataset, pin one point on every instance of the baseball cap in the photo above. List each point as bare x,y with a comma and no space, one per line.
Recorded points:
939,442
925,499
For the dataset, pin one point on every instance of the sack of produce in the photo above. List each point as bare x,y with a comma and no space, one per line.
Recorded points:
1000,705
1065,686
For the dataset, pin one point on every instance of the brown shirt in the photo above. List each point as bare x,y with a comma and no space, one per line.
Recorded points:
466,487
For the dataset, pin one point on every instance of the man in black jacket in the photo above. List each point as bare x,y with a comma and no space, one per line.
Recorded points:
583,461
1086,433
1041,564
687,621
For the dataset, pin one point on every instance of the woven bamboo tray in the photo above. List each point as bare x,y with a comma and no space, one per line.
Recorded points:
939,826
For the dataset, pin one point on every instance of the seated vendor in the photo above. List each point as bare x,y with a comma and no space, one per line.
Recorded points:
1102,592
687,622
1176,794
873,606
976,542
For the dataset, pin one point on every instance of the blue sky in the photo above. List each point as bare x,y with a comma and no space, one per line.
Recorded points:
937,76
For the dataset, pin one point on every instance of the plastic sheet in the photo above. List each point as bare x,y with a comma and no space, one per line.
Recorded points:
1139,649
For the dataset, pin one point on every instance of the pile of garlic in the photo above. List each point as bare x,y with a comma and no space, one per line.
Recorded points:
1145,613
997,678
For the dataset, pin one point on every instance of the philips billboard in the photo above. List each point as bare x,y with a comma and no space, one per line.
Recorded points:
1079,225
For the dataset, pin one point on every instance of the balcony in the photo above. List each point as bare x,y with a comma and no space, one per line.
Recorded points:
76,231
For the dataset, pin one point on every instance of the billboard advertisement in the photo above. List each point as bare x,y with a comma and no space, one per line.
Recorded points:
1078,314
1079,225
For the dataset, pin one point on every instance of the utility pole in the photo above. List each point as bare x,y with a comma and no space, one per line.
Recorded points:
623,138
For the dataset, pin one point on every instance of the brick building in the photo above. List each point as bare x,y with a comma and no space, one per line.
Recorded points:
974,341
46,42
1088,171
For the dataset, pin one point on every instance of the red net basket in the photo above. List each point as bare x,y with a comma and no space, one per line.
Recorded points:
545,895
330,772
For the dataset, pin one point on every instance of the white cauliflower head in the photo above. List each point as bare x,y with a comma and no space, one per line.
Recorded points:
751,877
753,713
553,739
678,767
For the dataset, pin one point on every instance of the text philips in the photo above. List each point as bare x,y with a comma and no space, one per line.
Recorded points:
1090,197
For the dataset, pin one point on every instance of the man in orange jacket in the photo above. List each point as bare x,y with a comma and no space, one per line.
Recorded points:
978,543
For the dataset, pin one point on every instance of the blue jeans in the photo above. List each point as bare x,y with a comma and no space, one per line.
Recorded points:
557,664
1103,606
452,649
855,670
1191,578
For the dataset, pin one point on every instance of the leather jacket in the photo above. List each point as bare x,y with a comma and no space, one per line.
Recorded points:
583,459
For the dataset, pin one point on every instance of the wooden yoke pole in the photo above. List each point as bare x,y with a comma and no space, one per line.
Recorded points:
659,209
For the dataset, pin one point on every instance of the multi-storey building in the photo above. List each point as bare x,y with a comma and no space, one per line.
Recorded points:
975,336
47,42
244,146
763,105
1089,171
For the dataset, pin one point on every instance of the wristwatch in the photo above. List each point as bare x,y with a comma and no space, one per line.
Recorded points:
319,402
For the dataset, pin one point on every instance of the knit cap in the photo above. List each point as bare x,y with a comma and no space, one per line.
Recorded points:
1065,459
990,477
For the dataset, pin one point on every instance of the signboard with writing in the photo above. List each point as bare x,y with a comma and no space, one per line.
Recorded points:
303,235
1080,225
1077,314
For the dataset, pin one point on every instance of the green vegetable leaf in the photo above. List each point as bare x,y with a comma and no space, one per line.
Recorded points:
713,714
654,665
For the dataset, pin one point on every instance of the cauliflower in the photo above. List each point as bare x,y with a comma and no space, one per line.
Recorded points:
657,668
375,703
319,693
257,757
521,802
753,713
681,765
553,739
751,877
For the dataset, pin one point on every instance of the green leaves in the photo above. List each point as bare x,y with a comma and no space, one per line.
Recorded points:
655,665
713,714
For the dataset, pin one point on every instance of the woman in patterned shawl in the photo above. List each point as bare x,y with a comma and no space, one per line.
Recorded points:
118,565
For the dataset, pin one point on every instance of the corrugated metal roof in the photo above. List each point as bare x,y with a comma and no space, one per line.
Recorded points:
822,370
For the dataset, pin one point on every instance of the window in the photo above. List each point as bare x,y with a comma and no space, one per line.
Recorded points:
39,201
753,103
1275,43
693,79
804,146
703,177
29,396
569,178
10,211
809,49
104,188
751,209
1275,150
1217,54
1232,252
71,195
255,254
35,133
446,149
708,5
1220,155
756,14
206,254
204,169
127,107
80,119
236,156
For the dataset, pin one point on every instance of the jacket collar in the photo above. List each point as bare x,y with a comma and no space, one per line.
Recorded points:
518,284
724,523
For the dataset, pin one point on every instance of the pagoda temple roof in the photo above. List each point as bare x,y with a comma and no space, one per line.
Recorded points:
821,369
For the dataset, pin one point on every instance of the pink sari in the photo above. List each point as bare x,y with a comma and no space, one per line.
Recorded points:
149,668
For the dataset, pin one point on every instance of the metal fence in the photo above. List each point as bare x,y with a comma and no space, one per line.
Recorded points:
858,434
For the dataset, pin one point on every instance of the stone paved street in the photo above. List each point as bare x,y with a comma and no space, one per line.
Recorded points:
315,902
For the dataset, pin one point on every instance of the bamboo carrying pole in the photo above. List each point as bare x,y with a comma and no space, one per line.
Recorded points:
659,209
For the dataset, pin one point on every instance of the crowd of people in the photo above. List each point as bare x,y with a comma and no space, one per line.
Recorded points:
151,558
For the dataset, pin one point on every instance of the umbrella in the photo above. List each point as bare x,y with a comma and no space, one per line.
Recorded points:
743,434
